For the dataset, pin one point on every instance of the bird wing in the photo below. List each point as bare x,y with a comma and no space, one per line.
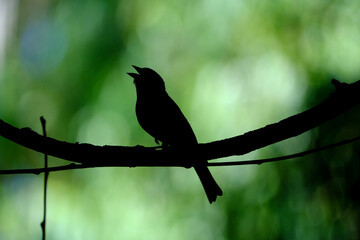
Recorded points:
165,122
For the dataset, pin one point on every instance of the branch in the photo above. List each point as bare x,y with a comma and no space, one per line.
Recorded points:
213,164
345,97
287,157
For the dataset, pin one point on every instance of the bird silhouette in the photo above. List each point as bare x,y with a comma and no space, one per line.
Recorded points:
160,117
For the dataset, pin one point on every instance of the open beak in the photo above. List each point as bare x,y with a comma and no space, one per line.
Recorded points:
138,69
135,75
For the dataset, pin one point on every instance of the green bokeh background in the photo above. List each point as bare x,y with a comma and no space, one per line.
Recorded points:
232,66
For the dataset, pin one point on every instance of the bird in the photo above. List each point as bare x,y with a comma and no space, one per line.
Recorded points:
161,118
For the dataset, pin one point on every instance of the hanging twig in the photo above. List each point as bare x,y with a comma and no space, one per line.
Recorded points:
46,175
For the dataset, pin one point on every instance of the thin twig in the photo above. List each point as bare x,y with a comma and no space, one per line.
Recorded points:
46,175
37,171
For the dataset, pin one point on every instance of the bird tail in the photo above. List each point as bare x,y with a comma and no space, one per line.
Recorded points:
211,188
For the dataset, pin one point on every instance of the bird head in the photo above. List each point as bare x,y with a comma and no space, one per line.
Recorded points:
147,79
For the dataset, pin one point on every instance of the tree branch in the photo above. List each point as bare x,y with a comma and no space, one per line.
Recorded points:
212,164
287,157
345,97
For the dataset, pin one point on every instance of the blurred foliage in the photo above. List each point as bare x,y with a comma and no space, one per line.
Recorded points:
231,65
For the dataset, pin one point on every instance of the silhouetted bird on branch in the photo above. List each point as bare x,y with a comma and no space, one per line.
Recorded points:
159,116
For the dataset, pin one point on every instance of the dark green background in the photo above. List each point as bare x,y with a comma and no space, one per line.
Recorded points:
232,66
